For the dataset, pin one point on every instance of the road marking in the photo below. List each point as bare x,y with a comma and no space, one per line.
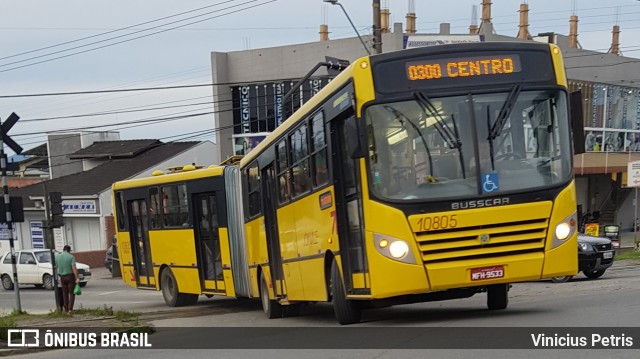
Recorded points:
107,293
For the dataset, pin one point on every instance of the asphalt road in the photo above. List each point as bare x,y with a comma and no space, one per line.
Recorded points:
101,290
612,301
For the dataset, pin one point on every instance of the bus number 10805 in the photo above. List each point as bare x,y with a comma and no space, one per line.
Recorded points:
437,222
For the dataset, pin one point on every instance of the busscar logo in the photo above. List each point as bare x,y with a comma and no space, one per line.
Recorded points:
23,338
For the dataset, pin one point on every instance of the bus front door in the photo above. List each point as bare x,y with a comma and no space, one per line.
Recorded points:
141,249
271,228
208,243
346,172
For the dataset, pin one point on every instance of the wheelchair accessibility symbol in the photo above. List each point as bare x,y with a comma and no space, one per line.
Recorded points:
490,182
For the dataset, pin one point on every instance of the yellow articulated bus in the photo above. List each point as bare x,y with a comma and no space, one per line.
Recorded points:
181,233
425,174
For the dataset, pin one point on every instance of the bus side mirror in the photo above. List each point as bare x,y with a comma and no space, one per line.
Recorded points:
356,137
577,122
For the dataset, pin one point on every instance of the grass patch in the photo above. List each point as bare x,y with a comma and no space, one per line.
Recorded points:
125,316
629,255
9,321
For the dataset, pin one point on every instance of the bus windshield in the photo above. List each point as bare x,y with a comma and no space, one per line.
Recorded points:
472,145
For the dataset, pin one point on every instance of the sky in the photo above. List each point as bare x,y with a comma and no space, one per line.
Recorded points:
82,46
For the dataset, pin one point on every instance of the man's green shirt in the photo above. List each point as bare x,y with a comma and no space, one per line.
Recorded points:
65,261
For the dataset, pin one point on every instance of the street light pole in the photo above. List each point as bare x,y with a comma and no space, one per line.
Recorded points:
377,28
335,2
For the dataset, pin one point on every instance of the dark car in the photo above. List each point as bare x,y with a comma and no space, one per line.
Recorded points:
108,259
595,255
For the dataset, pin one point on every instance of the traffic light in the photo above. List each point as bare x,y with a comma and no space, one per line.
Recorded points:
55,202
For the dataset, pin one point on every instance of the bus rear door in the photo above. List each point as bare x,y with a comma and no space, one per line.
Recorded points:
208,243
139,230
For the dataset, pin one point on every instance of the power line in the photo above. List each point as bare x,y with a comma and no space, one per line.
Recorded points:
139,89
135,38
112,31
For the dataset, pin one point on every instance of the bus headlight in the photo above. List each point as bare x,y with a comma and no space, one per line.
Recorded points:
565,229
399,249
394,248
562,231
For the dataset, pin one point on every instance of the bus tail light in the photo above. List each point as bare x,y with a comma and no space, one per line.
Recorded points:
394,248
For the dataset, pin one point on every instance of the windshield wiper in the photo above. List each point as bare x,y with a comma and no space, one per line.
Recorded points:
451,137
504,113
402,116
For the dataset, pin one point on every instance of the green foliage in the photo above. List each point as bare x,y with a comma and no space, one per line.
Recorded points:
629,255
8,321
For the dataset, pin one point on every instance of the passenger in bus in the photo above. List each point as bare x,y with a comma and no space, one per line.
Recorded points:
301,180
285,187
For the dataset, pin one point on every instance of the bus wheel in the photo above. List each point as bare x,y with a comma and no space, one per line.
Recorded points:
346,311
172,297
270,307
497,296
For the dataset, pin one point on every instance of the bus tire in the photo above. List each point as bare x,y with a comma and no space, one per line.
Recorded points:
271,308
346,311
170,293
561,279
497,296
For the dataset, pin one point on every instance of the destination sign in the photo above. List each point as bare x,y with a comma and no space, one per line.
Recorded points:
463,67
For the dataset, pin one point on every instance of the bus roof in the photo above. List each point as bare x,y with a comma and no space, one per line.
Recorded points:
211,171
302,112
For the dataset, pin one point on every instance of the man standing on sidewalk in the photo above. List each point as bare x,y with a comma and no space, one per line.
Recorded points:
68,277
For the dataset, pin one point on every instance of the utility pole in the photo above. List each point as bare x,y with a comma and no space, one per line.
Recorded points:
4,138
52,219
377,29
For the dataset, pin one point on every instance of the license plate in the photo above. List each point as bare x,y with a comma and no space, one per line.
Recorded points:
607,255
487,273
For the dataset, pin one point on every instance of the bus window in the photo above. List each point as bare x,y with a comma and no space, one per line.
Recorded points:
300,159
284,177
319,157
253,182
120,212
175,206
154,209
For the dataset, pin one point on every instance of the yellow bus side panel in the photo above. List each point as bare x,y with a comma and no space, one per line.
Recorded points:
126,259
390,277
188,280
177,249
562,260
314,236
256,250
225,253
289,252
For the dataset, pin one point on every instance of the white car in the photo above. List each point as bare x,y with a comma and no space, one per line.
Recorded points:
34,267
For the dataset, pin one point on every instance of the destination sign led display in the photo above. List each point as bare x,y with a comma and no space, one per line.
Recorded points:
461,67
